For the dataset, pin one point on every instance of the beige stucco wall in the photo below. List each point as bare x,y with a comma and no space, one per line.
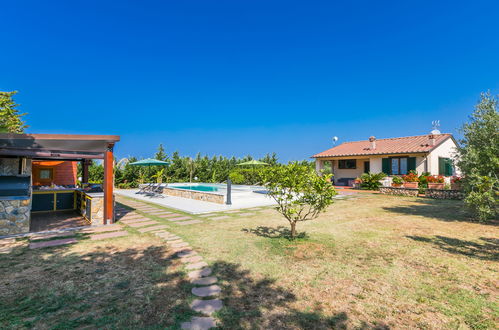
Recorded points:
445,150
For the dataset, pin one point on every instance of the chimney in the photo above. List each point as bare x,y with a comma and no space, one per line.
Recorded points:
372,139
432,139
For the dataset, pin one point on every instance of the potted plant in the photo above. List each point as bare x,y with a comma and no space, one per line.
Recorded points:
435,182
397,182
357,182
456,182
411,180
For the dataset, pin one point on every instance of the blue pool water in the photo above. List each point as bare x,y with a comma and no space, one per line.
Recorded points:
197,188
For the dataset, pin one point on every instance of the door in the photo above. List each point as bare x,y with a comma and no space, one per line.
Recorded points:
367,167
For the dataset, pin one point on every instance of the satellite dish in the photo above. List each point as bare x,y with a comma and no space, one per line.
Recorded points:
335,138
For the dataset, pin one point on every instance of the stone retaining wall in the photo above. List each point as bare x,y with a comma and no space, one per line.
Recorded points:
444,194
197,195
14,216
14,213
399,191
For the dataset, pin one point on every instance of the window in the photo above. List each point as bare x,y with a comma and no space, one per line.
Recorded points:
401,165
445,166
347,164
45,174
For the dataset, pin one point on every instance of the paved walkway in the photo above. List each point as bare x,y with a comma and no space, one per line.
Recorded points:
134,219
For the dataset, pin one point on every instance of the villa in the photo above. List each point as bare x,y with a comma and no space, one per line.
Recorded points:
394,156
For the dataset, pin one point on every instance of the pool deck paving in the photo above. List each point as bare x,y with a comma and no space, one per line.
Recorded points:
240,200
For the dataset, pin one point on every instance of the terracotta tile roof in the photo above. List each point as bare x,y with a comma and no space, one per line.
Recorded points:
402,145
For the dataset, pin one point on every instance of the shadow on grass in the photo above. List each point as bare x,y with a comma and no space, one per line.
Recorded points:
270,232
124,210
106,286
253,302
488,249
445,210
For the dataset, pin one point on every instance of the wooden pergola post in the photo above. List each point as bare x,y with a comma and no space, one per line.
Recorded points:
108,185
84,170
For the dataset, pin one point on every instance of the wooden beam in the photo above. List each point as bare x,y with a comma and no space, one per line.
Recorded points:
108,185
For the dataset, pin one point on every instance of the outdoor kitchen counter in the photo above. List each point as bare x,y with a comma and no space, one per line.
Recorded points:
88,204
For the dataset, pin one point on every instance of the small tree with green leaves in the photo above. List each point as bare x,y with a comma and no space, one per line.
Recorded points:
478,159
10,118
300,193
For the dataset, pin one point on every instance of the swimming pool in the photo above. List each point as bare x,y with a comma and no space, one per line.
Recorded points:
197,188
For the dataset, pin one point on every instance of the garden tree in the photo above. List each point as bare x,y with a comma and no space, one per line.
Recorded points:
478,159
10,118
300,193
161,154
270,159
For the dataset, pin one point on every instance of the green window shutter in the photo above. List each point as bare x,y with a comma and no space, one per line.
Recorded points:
411,164
441,166
448,167
385,166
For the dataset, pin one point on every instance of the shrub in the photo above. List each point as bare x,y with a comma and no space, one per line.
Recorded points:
250,176
456,179
370,180
481,201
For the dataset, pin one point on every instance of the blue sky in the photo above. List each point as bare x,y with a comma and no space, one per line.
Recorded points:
247,77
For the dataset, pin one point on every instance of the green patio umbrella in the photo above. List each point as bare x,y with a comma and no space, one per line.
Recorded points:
149,162
252,162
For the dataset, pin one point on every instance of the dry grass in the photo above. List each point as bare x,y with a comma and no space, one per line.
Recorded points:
370,262
128,282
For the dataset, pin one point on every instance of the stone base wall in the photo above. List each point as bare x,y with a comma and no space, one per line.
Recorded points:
399,191
97,211
444,194
197,195
14,216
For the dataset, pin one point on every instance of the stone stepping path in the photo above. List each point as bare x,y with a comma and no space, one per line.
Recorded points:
221,217
206,291
102,229
108,235
233,211
191,222
191,259
135,220
199,323
199,274
196,274
186,253
205,280
197,265
205,215
208,306
57,242
171,215
180,218
153,228
39,237
246,214
142,223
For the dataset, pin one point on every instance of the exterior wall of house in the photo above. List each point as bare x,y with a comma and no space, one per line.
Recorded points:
348,173
64,173
445,150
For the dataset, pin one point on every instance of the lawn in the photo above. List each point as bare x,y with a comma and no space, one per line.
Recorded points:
128,282
371,261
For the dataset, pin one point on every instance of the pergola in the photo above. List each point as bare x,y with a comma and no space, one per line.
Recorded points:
66,147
